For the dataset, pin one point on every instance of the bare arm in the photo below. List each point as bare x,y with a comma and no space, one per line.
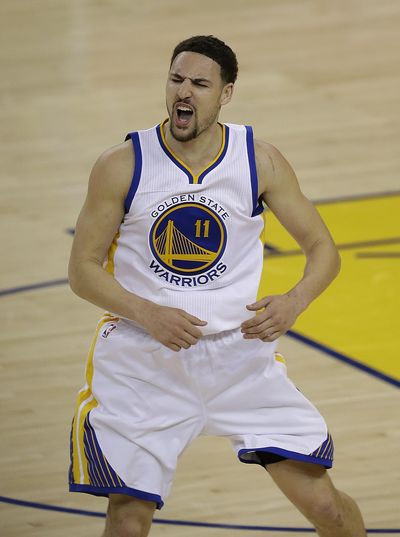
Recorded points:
280,190
97,225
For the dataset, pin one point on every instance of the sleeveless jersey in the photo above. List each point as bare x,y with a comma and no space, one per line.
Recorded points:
192,242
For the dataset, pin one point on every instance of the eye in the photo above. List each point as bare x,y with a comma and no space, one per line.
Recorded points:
200,83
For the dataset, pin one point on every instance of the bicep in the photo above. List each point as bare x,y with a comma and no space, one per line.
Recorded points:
96,226
101,214
294,211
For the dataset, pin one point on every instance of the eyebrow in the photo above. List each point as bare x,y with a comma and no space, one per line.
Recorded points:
177,75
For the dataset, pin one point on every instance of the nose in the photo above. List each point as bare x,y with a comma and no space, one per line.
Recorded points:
185,89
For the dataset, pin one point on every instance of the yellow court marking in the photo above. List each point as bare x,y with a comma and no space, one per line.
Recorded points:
358,315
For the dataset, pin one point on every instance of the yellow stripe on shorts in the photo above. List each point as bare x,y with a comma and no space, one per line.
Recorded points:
85,403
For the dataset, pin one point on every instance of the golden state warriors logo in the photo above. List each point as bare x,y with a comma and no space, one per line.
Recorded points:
188,239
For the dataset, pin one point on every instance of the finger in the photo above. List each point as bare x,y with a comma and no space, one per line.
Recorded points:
271,337
185,341
194,320
190,331
174,347
259,304
191,328
256,320
265,326
182,343
264,335
190,338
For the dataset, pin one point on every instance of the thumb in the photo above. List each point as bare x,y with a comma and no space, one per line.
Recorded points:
263,303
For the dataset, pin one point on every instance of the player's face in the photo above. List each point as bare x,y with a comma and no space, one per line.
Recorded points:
195,93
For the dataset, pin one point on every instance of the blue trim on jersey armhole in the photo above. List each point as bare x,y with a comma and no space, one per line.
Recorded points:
134,136
257,204
327,463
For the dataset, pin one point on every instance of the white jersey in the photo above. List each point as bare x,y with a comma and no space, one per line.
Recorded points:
192,241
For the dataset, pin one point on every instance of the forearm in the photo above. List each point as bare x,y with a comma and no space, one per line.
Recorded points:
174,328
322,266
92,282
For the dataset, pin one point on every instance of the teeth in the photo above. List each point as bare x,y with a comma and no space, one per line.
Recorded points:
184,109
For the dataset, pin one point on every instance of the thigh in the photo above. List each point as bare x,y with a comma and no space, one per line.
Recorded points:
264,411
133,418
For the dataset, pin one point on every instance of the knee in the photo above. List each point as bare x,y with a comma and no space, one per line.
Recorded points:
129,518
325,511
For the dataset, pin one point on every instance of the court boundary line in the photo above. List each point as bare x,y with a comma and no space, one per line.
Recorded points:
33,286
172,522
298,336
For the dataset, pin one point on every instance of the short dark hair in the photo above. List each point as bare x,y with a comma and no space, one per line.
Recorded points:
213,48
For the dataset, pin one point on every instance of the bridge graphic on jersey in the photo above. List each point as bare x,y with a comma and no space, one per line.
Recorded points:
172,245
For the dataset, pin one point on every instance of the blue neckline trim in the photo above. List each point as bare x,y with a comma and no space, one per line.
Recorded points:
257,204
134,136
219,159
188,173
171,156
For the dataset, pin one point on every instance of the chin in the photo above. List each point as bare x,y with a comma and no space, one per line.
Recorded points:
183,136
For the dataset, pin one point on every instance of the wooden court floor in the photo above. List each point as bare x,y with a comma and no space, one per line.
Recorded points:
320,80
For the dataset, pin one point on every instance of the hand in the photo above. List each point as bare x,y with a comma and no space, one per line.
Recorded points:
279,314
173,327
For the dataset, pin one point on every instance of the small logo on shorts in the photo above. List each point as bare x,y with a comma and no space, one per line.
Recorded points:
107,331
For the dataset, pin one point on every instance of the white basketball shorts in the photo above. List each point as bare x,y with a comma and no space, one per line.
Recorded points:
143,404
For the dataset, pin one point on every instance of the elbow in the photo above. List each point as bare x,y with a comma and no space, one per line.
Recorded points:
73,283
82,276
75,279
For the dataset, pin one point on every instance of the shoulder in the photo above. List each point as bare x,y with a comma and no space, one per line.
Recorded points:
272,166
267,154
114,168
119,157
267,159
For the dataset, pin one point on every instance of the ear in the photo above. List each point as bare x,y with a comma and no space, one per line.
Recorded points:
226,94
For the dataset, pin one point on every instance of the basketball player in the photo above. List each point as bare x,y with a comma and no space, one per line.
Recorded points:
186,349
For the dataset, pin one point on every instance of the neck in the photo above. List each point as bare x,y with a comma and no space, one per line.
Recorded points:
199,151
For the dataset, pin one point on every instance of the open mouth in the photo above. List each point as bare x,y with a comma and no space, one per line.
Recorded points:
184,114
